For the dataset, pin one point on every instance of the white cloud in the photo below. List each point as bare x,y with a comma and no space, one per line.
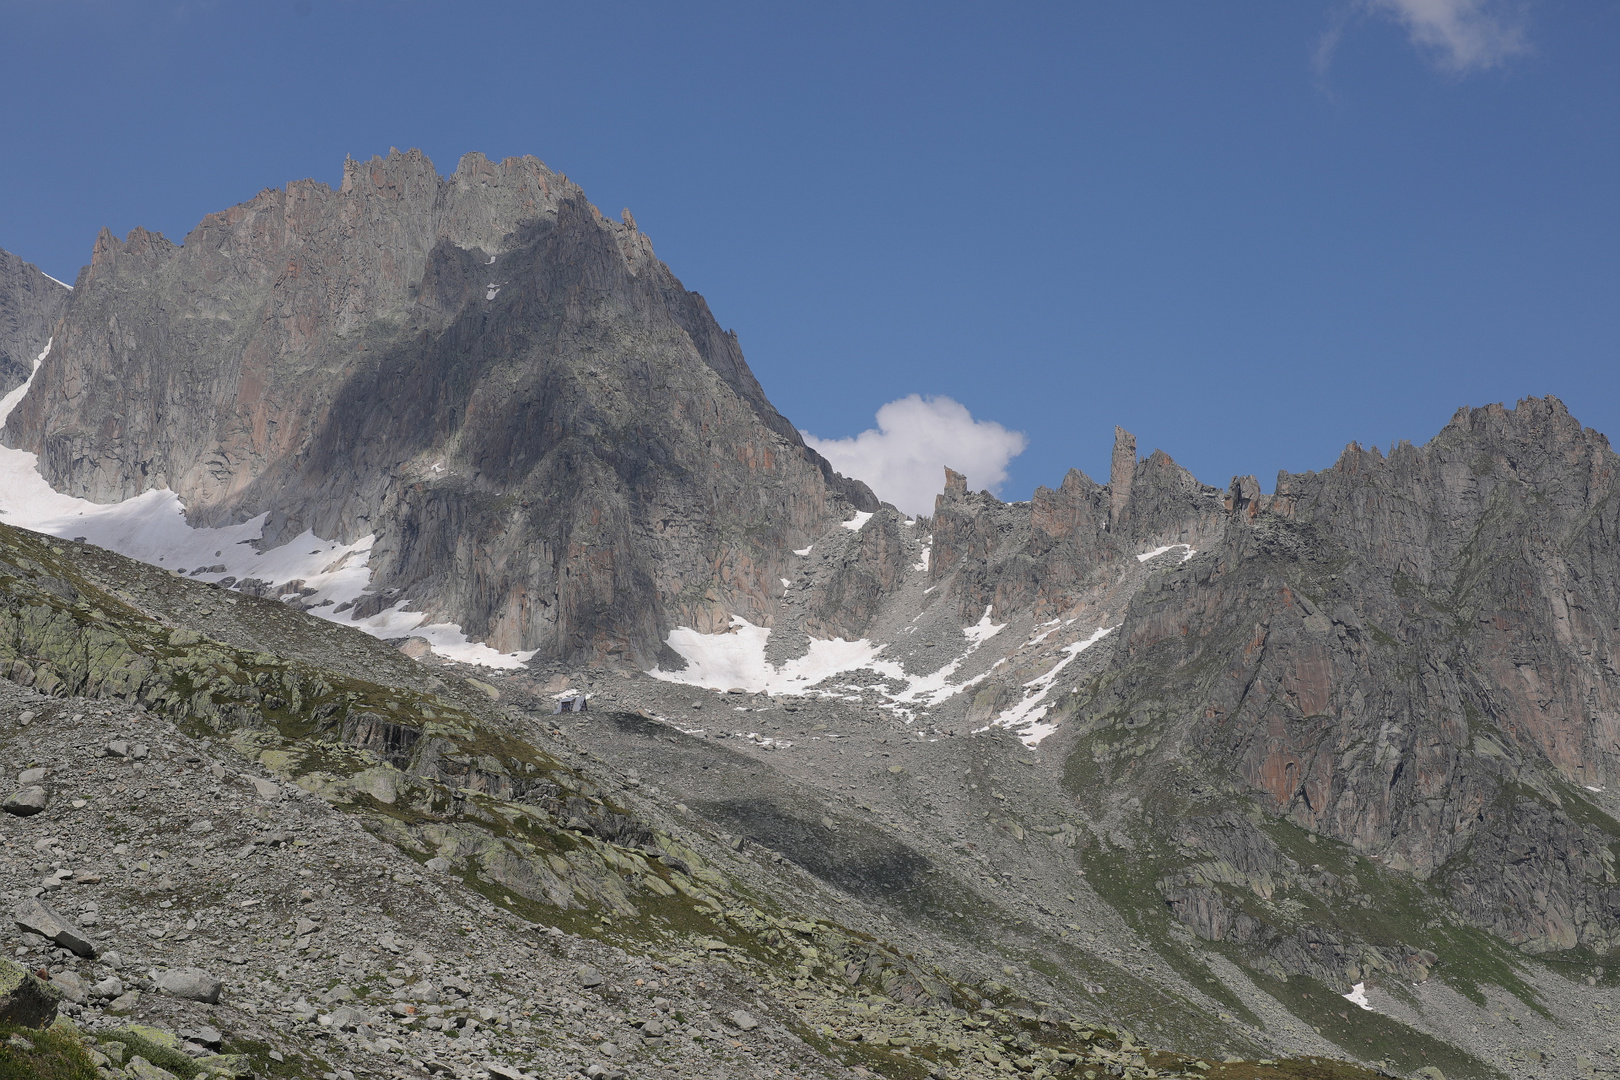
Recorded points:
904,458
1463,35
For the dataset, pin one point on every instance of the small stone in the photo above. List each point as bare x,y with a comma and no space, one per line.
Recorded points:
110,987
742,1020
34,917
589,977
125,1002
268,790
193,984
26,717
117,748
608,1050
29,777
27,802
113,959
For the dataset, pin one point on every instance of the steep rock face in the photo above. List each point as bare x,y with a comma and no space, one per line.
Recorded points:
553,441
851,597
30,304
1418,656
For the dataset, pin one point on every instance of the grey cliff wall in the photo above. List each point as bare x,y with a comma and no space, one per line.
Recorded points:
30,304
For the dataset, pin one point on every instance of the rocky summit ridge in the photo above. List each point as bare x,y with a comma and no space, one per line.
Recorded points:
1144,777
479,370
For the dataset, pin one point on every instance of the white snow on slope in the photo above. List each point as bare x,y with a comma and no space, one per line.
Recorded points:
736,659
1026,716
983,630
854,524
1156,552
60,282
1358,996
151,527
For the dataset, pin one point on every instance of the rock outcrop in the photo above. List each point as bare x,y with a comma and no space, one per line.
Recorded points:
30,304
553,441
1417,656
1043,553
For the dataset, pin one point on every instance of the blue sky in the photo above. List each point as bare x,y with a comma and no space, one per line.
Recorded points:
1249,232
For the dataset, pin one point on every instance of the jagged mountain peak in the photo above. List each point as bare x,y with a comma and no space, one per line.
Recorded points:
478,363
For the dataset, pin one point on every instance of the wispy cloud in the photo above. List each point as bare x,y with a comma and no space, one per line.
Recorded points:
1460,36
904,458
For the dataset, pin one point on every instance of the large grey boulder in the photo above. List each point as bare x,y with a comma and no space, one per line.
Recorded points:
34,917
193,984
25,999
27,802
71,985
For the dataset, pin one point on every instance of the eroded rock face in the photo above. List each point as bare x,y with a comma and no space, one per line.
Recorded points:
554,442
1417,656
1041,554
30,304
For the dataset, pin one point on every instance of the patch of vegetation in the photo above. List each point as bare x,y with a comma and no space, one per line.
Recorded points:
52,1054
291,1067
1369,1035
1128,882
164,1057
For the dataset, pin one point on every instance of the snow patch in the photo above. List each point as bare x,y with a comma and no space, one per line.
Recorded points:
446,638
1358,996
921,565
854,524
1156,552
983,630
60,282
1027,715
736,659
803,551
